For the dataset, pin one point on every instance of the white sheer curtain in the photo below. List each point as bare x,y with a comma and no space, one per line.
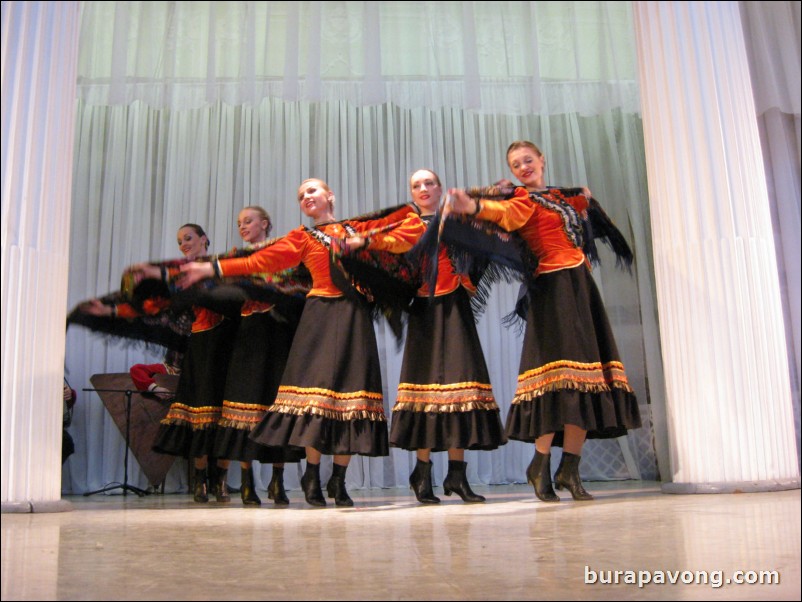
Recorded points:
773,37
189,111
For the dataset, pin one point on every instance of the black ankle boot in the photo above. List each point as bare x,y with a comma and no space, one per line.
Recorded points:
336,487
247,489
457,482
567,476
275,491
538,474
201,493
310,483
220,485
420,481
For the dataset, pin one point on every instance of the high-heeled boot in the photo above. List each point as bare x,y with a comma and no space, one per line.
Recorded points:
538,474
420,481
456,482
310,483
201,492
336,487
220,485
567,476
275,490
247,489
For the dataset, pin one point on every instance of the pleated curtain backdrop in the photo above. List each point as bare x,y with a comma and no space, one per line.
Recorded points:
188,112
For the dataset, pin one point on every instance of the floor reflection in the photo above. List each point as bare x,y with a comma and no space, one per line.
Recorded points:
165,547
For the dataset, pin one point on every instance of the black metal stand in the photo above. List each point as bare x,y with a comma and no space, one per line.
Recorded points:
124,485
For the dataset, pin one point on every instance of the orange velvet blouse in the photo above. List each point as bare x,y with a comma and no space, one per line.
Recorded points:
541,227
300,246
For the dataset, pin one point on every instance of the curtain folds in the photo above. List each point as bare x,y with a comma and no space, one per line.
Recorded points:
772,35
513,58
142,172
189,111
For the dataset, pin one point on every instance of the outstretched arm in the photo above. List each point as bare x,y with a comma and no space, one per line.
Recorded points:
460,202
195,271
95,307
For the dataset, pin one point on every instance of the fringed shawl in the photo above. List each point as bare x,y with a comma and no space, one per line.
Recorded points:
490,254
387,281
164,312
286,290
168,328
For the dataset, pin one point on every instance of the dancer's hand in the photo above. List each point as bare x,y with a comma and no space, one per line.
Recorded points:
460,202
141,271
355,243
161,392
95,307
193,272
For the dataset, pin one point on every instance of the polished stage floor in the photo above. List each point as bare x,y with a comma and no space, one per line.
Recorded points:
388,547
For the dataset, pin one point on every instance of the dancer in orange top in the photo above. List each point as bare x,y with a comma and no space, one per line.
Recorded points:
445,400
330,399
571,381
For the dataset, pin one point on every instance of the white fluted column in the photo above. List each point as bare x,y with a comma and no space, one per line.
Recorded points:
729,406
39,58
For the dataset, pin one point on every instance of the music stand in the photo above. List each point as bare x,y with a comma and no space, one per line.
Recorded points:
124,485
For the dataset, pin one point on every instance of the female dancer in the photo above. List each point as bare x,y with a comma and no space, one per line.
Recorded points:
330,399
188,430
571,382
260,353
445,400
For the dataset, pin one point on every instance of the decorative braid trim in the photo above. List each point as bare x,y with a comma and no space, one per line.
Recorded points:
197,418
357,405
591,378
237,424
460,397
242,415
572,222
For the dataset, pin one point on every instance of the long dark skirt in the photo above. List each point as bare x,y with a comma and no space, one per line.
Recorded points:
330,396
445,399
261,348
570,370
189,427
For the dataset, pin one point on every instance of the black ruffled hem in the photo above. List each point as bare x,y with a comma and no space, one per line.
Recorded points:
236,444
181,440
477,429
603,415
331,437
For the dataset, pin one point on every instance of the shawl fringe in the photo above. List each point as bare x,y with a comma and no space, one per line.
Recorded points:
171,325
487,253
600,226
286,289
512,254
168,329
388,282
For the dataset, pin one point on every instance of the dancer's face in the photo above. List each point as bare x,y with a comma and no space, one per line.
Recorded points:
426,190
316,200
527,166
252,226
190,243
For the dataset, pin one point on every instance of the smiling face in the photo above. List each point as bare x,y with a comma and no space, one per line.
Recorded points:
316,200
527,164
191,243
426,190
253,224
